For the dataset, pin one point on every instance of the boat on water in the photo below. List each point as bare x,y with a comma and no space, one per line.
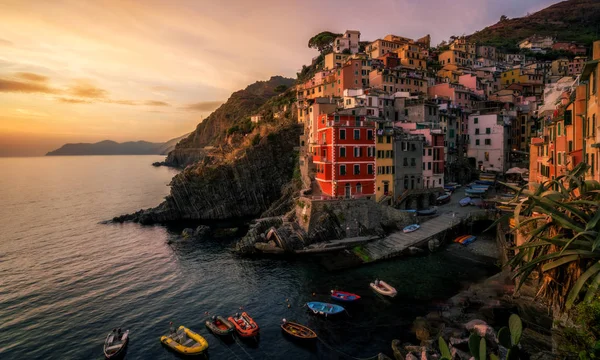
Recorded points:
449,188
411,228
478,186
218,325
464,201
115,344
432,210
443,199
475,192
383,288
185,341
326,309
298,331
454,184
344,296
244,325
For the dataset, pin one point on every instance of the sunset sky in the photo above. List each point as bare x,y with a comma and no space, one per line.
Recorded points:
85,71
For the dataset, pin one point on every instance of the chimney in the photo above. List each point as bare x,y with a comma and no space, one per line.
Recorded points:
596,50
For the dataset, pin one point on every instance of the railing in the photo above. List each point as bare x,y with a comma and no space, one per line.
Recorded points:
352,123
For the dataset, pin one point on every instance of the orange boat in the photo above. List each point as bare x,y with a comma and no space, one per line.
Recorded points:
244,325
460,239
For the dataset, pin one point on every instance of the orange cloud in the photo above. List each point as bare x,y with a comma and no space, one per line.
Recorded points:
7,85
85,89
203,106
156,103
31,76
6,42
73,101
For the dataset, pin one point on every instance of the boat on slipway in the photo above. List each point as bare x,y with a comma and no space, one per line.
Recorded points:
426,212
411,228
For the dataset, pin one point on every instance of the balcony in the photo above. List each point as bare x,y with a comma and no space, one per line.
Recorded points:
350,123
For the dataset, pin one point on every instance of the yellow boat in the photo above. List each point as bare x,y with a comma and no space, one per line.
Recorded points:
185,341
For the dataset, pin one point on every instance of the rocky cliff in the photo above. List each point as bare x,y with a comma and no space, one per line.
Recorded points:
242,183
231,117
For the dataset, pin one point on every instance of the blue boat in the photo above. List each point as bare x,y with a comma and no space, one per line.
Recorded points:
485,182
411,228
324,308
465,201
475,191
479,186
449,188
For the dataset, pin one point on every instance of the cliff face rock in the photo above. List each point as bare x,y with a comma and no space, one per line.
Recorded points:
238,188
234,115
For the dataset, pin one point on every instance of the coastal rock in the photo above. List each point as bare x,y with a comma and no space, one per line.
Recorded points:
201,232
433,245
399,353
240,188
413,250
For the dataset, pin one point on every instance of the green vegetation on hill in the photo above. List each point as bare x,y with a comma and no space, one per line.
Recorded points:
572,20
234,115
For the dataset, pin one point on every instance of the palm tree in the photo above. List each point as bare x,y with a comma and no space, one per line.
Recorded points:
560,222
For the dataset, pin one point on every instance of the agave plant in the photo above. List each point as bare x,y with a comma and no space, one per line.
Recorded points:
560,220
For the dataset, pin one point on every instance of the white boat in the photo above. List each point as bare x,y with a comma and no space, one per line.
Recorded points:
383,288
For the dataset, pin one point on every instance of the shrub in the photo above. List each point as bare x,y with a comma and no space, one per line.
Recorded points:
256,139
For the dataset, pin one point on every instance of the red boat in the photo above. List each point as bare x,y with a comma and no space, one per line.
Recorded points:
344,296
244,325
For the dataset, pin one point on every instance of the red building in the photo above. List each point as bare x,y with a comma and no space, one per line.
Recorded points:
571,47
344,156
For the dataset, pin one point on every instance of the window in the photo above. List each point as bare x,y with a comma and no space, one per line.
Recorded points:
370,169
477,131
342,152
558,129
476,141
476,121
429,152
428,166
369,134
371,151
357,151
559,160
342,169
358,188
488,130
356,134
451,133
380,139
342,134
356,169
405,163
593,164
388,139
488,141
413,162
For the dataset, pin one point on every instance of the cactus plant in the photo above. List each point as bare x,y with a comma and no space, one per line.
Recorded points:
474,343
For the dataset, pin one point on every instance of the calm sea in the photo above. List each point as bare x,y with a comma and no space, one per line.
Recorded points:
67,280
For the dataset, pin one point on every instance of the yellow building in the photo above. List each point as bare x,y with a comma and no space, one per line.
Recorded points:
411,56
461,44
384,161
333,60
516,76
455,57
560,67
451,73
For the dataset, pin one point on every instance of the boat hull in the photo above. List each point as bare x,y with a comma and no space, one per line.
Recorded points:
411,228
200,346
344,296
118,354
326,309
298,331
244,325
220,326
384,289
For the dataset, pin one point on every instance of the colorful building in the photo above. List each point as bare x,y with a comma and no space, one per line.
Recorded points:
489,136
344,156
403,80
486,52
576,65
410,56
455,57
384,161
347,42
335,60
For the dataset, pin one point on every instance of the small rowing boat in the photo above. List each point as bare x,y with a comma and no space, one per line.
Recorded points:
411,228
324,308
485,182
244,325
383,288
219,326
298,331
443,199
469,240
464,201
116,344
185,341
426,212
344,296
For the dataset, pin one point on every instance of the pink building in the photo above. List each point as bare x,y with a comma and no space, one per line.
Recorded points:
458,94
472,83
